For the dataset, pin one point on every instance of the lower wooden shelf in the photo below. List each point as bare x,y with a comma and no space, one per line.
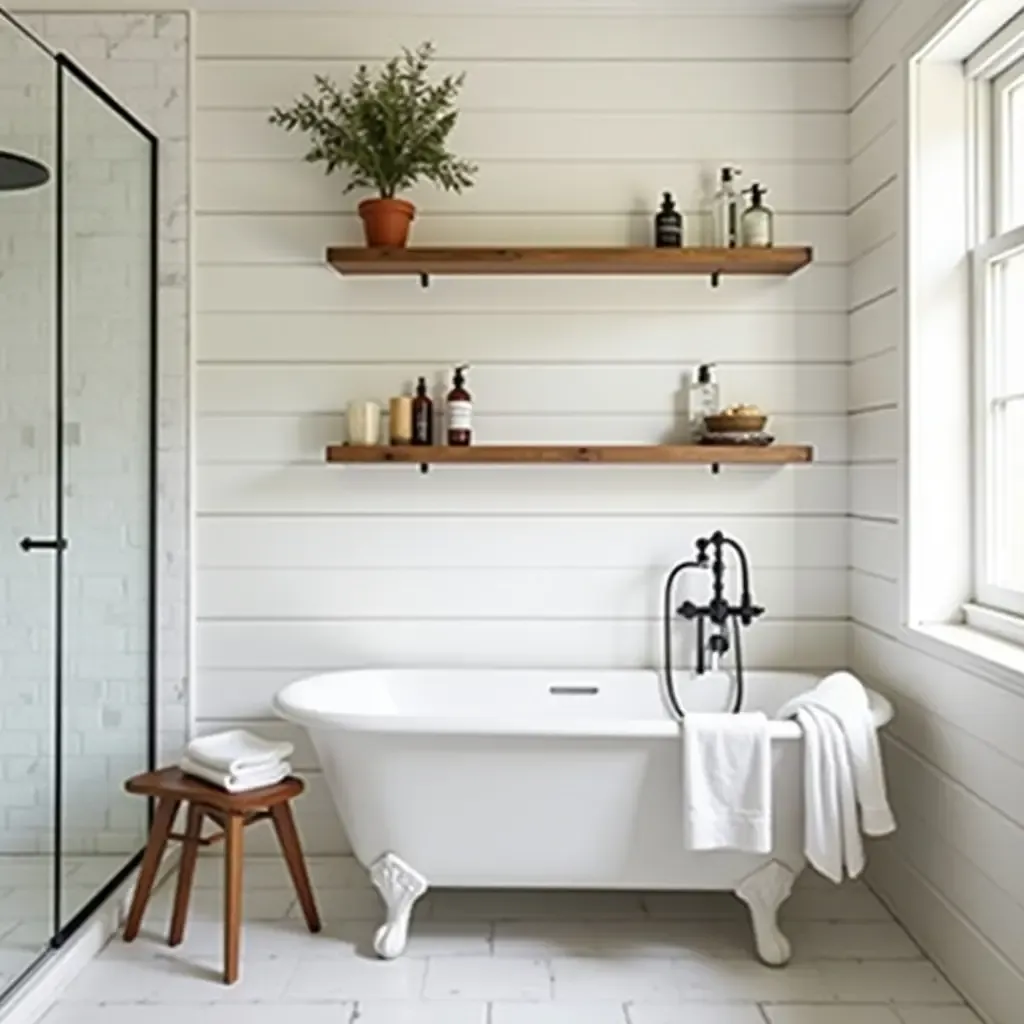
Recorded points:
620,455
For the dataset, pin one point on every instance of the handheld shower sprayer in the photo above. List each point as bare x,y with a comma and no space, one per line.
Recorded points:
718,614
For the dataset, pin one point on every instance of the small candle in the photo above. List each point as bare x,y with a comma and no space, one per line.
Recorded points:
363,423
400,420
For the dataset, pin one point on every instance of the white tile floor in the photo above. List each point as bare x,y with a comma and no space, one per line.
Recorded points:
26,902
514,958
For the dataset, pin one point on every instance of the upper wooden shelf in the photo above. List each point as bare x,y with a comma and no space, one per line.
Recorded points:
423,262
622,455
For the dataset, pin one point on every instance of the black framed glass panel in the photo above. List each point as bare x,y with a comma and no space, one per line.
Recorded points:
29,508
108,182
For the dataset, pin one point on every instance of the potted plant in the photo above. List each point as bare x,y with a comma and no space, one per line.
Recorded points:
387,132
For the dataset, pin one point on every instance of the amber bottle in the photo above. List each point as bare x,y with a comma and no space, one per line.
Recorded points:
422,415
460,410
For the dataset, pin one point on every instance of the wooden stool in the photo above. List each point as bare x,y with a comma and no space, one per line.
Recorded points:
232,812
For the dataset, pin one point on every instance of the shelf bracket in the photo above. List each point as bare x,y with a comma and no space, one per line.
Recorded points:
424,468
424,280
716,278
716,468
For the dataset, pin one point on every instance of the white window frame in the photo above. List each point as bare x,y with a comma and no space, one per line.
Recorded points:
946,71
997,241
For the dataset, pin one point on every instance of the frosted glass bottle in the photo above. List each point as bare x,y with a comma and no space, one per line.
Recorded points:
758,221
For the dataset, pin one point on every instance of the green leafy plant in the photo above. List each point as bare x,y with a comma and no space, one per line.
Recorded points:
388,131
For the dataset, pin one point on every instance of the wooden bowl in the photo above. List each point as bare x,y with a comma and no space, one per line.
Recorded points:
722,424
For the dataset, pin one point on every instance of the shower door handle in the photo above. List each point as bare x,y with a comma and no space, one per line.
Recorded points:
31,544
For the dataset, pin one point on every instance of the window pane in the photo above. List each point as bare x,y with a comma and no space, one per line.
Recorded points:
1015,157
1008,493
1009,297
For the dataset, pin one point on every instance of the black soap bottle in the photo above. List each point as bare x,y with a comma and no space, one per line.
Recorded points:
422,415
668,224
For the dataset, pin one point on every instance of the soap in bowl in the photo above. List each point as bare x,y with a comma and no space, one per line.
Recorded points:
726,423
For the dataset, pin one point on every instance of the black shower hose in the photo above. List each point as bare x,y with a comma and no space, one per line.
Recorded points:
667,617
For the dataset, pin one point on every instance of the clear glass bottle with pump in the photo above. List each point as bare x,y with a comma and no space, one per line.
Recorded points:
727,210
703,399
758,221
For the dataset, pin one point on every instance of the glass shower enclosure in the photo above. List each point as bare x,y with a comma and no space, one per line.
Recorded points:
78,409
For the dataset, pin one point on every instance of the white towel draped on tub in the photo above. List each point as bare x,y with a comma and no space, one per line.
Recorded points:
844,779
727,775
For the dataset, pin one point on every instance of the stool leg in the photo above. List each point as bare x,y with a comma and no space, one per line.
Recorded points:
288,837
166,808
186,872
234,830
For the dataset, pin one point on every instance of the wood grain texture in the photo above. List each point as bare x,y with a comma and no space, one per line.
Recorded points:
175,785
291,848
701,455
186,873
783,261
291,437
234,853
166,808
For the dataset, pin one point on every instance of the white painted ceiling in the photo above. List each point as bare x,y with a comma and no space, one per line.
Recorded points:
727,8
682,7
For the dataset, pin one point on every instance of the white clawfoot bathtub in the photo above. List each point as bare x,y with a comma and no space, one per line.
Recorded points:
540,779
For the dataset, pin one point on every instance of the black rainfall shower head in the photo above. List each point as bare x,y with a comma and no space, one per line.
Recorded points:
19,172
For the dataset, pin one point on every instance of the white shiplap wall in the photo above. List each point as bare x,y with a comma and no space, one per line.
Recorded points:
952,872
578,124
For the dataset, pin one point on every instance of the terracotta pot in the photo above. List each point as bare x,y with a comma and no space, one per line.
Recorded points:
386,221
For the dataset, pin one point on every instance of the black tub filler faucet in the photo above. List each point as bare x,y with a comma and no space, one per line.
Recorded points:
718,622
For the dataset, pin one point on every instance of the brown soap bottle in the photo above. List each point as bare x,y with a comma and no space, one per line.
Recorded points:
460,410
422,415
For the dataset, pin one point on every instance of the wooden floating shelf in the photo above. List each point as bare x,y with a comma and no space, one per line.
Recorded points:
781,261
619,455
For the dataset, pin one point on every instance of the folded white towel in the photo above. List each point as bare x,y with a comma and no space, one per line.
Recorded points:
727,774
237,782
236,750
843,771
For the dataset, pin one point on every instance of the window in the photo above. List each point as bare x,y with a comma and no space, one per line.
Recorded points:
962,497
998,268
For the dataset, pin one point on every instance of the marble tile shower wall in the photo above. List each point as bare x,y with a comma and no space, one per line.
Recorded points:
27,303
143,60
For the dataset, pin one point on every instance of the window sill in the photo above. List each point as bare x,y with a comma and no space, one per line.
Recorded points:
998,660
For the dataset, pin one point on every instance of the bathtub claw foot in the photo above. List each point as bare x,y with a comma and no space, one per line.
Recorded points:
764,892
400,886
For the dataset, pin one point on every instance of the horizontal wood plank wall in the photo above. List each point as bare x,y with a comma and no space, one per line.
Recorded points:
955,760
578,124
